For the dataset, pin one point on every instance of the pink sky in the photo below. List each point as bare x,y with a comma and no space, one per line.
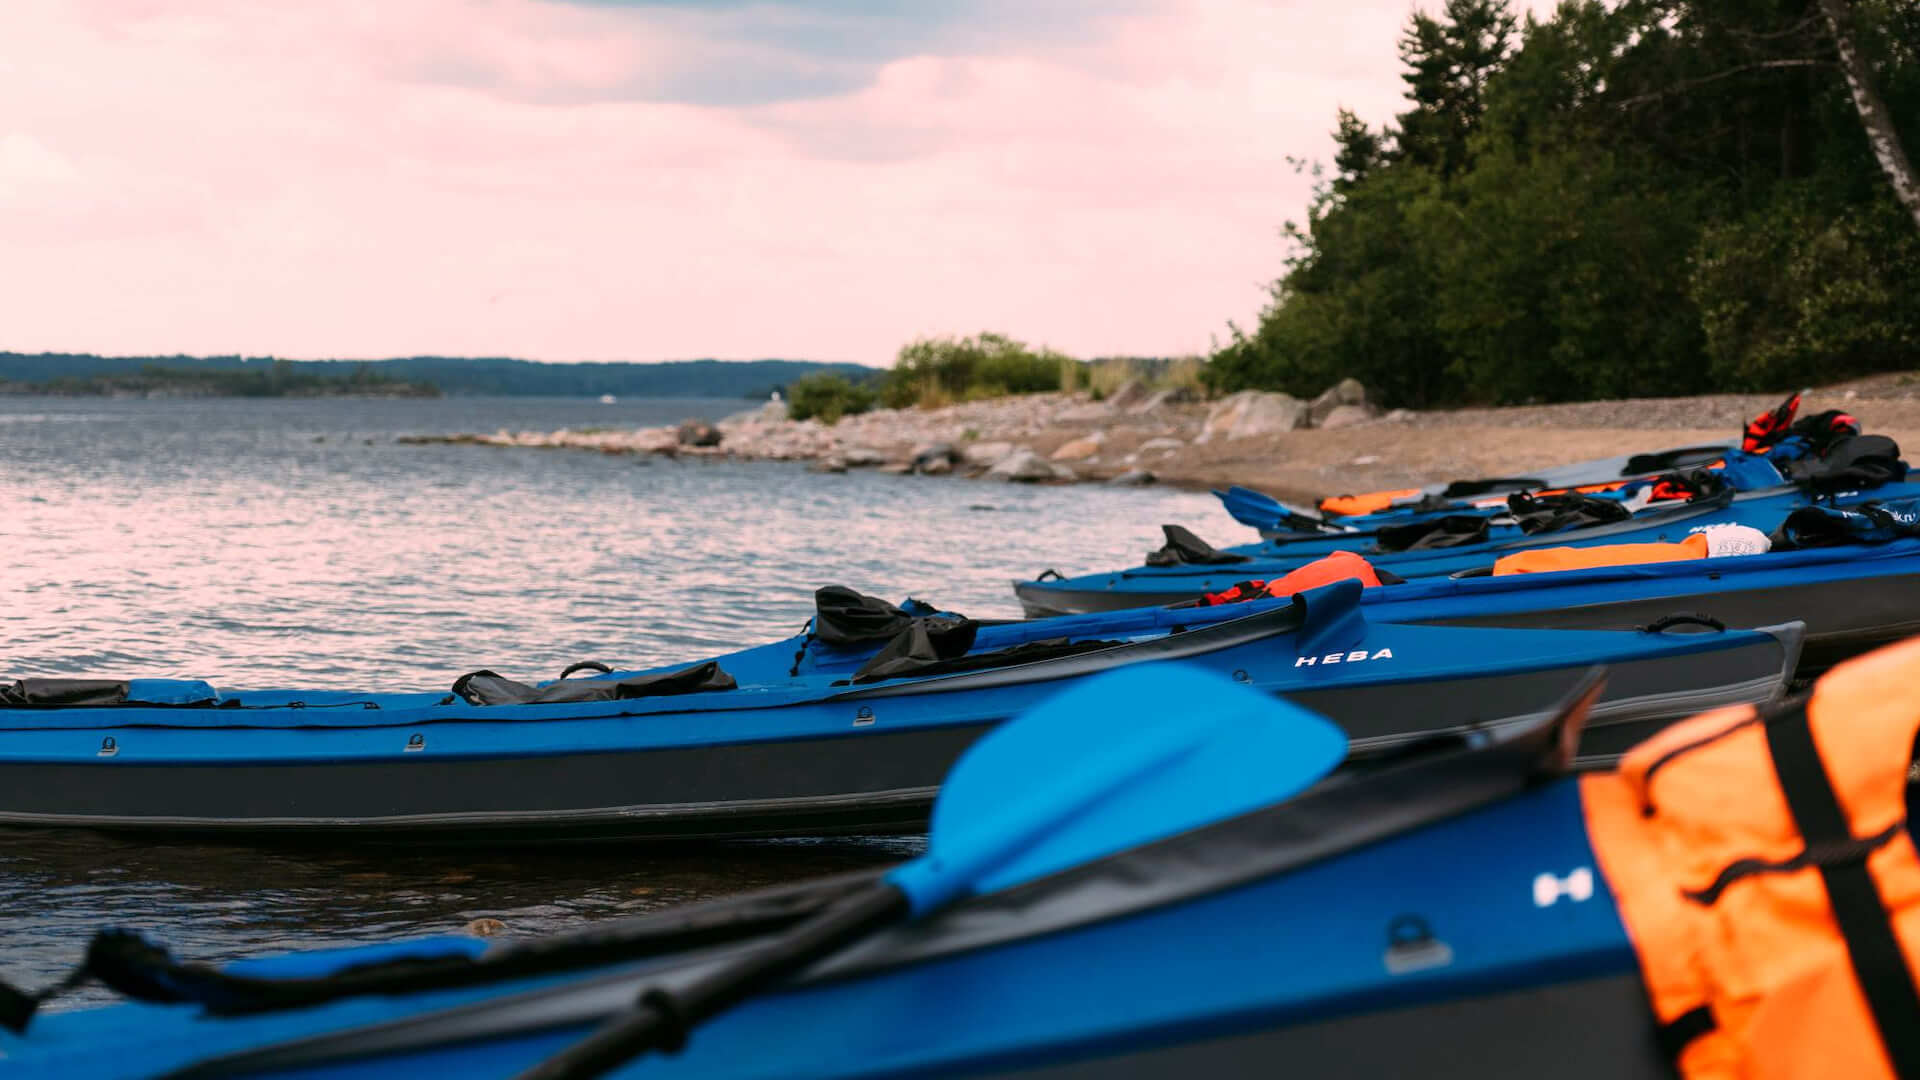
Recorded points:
662,179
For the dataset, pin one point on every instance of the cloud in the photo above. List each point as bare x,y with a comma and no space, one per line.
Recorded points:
553,179
727,53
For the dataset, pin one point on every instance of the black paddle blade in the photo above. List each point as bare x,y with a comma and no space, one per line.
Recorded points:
1570,719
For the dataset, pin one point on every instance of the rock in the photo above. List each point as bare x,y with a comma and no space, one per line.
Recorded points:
986,453
1093,412
1178,395
697,433
1023,466
1082,448
1254,412
1161,445
862,457
1367,459
1347,391
1063,474
485,927
934,466
897,468
926,453
1400,416
830,464
773,412
1349,415
1127,395
1133,478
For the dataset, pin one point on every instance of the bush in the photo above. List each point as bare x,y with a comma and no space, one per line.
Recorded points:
827,397
931,371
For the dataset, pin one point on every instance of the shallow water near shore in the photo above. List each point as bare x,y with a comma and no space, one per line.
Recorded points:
294,543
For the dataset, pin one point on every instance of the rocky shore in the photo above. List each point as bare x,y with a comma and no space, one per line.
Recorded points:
1291,447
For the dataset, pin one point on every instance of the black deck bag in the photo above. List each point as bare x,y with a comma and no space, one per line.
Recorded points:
1442,532
1185,549
845,617
64,692
1684,457
923,642
1826,526
492,688
1571,510
1852,463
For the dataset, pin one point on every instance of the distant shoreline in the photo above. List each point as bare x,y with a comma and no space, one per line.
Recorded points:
1068,438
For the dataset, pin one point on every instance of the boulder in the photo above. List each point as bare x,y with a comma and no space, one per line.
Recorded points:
1347,391
934,466
862,457
986,453
1023,466
1082,448
1063,474
1349,415
897,468
829,464
1162,445
1400,416
1132,478
1178,395
1127,395
697,433
929,452
1254,412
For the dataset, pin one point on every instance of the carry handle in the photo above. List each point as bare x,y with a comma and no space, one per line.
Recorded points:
1684,618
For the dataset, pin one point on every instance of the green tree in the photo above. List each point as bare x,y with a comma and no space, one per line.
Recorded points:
1449,61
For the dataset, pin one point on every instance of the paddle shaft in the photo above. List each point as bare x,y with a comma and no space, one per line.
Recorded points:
659,1020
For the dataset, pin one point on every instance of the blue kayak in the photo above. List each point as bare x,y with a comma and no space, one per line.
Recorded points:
1281,522
1054,594
813,734
1307,931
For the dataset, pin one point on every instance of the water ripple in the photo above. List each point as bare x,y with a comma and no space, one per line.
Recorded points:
270,544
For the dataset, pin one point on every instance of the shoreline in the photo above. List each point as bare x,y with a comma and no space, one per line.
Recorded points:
1293,451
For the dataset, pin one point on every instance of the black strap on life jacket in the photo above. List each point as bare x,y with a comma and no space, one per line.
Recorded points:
1878,963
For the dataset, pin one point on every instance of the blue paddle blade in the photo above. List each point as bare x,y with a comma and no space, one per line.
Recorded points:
1120,760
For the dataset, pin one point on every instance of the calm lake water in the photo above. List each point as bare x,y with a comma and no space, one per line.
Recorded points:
294,543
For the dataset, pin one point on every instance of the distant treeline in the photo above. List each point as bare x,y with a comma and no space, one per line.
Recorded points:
469,376
1642,197
277,380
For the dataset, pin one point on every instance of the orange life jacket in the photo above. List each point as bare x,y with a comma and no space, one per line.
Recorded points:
1547,560
1338,566
1762,864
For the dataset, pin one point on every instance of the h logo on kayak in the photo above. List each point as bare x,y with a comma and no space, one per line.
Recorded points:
1353,657
1577,886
